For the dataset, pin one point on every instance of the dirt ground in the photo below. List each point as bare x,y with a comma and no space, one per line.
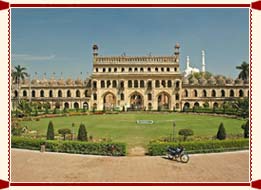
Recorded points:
33,166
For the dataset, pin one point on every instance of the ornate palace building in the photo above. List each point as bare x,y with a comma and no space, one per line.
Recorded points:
134,83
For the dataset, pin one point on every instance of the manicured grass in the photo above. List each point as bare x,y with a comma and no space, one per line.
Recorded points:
123,127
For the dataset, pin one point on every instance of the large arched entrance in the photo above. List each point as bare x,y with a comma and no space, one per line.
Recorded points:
163,101
109,101
136,101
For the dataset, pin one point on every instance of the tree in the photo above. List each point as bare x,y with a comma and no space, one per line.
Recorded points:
64,132
50,131
82,133
221,134
245,127
24,107
244,73
17,75
185,133
242,106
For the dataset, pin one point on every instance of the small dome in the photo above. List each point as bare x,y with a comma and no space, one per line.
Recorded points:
221,80
26,81
43,82
193,80
69,81
95,47
177,46
52,82
239,81
212,80
35,81
78,81
202,81
61,82
229,81
185,80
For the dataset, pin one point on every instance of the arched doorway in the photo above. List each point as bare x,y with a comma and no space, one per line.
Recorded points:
66,105
186,106
76,105
136,101
109,101
85,106
163,101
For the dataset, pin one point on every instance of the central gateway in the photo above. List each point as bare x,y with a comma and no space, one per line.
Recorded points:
136,82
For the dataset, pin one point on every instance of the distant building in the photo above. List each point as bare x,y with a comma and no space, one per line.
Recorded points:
133,83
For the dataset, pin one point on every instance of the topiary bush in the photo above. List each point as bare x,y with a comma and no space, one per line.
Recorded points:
64,132
221,134
82,133
185,133
245,127
50,131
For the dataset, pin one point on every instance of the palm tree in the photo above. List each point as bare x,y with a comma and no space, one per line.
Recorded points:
17,75
244,73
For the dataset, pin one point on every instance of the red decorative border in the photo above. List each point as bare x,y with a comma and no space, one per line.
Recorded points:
254,5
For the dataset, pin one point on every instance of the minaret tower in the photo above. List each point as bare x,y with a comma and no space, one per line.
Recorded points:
203,62
187,62
177,46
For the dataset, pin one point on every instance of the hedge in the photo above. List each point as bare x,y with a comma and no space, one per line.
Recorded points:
75,147
192,147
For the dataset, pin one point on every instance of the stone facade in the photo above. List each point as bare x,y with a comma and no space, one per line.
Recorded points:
132,83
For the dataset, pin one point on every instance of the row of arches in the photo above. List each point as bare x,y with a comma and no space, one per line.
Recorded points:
68,105
50,93
197,104
213,93
135,69
138,84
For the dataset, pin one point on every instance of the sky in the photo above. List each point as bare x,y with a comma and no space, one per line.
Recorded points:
59,42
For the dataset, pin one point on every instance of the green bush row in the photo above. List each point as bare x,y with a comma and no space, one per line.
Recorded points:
75,147
191,147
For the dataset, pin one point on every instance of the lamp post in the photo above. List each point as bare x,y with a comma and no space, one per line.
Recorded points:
72,131
174,126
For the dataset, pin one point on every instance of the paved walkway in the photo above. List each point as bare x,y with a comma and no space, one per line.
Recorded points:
33,166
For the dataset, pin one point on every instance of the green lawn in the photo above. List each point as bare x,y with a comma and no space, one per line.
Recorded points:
123,127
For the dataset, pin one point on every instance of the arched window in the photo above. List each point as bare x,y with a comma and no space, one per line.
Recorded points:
94,84
162,69
156,69
136,84
94,96
78,94
177,84
86,93
108,83
60,94
122,84
15,93
241,93
50,93
149,69
163,83
24,93
103,70
141,69
136,69
33,93
177,96
186,93
157,85
122,96
204,93
41,93
195,93
130,69
175,69
129,83
142,85
102,84
115,69
122,69
97,69
68,93
213,93
76,105
231,93
149,84
169,83
168,69
109,69
223,93
149,97
114,84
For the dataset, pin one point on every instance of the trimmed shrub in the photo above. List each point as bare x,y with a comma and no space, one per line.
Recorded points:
64,132
82,133
185,133
245,127
75,147
50,131
192,147
221,134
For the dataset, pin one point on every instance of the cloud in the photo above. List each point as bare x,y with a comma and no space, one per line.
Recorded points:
27,57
